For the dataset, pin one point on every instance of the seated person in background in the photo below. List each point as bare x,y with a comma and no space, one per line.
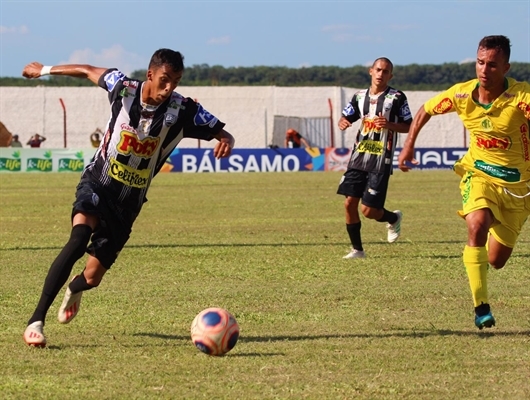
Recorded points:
15,142
36,140
294,140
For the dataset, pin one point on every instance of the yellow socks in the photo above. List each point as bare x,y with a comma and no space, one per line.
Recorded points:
476,263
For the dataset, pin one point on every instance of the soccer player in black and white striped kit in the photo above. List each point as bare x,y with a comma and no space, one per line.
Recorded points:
384,112
147,121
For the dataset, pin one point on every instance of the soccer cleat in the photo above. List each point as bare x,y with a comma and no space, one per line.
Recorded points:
484,321
355,254
69,306
34,335
394,230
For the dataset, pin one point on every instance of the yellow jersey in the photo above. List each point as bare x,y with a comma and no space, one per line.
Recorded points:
499,142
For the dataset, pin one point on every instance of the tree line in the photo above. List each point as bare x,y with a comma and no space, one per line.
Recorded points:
406,77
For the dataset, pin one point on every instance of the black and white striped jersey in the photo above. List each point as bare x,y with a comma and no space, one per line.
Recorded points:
374,148
138,139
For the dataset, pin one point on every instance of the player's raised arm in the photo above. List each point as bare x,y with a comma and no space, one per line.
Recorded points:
36,70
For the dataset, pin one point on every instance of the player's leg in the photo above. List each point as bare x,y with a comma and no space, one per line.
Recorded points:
107,242
479,201
352,187
373,203
58,275
475,258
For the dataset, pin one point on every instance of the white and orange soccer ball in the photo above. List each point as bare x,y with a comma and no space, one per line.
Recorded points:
214,331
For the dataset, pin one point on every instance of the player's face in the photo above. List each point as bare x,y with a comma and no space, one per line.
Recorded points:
163,81
491,67
381,73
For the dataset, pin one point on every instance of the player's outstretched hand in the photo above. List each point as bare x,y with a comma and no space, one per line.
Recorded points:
32,70
222,149
406,155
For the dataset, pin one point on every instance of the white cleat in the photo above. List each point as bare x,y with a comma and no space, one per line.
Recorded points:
355,254
394,230
34,334
69,306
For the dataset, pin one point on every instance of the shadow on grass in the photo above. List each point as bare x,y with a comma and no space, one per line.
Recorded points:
236,245
411,334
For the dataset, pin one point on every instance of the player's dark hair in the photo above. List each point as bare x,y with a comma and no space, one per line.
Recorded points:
385,60
167,57
497,42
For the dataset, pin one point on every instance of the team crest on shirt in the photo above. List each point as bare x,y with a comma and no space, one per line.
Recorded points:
170,119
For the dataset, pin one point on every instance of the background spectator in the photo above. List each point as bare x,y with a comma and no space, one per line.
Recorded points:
294,140
36,140
95,137
15,142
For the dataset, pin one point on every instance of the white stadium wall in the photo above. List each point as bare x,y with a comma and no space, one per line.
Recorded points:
247,111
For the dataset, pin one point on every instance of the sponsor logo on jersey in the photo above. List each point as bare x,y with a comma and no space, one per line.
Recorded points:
525,108
444,106
498,171
131,144
524,141
112,78
348,110
131,84
370,146
405,111
175,105
369,126
461,95
127,175
494,143
203,117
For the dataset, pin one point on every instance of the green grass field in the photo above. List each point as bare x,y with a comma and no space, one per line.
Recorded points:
268,247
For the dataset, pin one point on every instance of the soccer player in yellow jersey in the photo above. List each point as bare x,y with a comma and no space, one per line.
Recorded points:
495,171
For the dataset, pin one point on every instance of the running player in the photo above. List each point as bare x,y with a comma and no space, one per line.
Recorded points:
384,111
148,119
496,169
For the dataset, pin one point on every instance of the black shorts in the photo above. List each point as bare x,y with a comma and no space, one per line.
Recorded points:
115,221
369,186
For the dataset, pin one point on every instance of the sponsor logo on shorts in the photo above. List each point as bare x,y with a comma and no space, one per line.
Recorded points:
127,175
373,192
131,144
498,171
370,146
525,108
444,106
494,143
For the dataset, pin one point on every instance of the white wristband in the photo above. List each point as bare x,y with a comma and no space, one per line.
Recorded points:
46,70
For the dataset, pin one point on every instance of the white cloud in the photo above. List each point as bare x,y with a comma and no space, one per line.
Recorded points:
220,40
337,28
20,30
115,56
468,60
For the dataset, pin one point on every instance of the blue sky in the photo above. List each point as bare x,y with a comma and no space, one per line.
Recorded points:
295,34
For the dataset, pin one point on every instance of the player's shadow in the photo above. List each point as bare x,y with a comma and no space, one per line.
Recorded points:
406,334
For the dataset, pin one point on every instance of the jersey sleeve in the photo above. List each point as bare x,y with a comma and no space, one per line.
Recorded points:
403,109
112,82
442,103
351,112
199,123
